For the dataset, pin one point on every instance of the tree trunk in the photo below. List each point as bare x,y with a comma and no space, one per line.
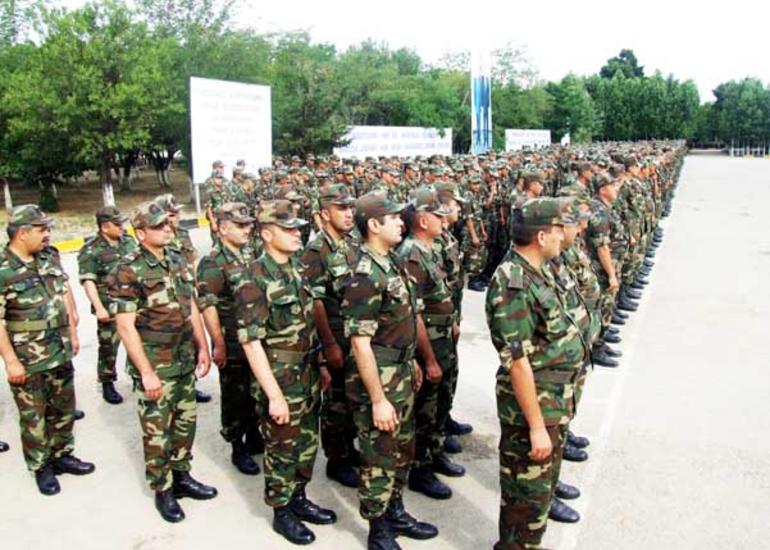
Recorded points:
7,195
108,196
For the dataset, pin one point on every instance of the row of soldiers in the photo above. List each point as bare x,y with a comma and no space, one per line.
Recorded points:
361,327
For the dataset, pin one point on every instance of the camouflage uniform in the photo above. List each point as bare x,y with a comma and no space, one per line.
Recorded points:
215,189
33,307
160,292
475,257
326,265
379,302
96,260
524,313
274,306
220,272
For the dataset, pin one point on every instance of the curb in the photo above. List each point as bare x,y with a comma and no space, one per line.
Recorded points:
73,245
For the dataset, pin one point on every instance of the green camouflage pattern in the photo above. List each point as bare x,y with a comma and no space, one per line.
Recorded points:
33,304
46,403
475,257
168,429
181,244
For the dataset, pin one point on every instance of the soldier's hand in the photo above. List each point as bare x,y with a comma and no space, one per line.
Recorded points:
417,376
74,340
541,444
384,416
219,355
456,332
204,363
614,284
333,354
152,386
326,379
16,373
433,372
475,242
279,410
102,315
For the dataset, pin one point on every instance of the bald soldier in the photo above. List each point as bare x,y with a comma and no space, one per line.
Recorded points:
38,339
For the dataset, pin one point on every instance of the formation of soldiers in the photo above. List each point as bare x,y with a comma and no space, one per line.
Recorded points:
332,301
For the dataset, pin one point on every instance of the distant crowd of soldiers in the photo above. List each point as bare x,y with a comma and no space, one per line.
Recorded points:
332,300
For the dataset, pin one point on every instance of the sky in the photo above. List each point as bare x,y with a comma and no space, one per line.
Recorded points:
708,42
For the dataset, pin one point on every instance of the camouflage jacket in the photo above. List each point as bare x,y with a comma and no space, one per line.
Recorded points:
183,247
219,274
523,306
574,302
434,297
33,306
448,248
215,192
98,258
326,265
604,228
161,293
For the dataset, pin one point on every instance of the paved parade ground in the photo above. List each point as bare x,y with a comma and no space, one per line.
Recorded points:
679,456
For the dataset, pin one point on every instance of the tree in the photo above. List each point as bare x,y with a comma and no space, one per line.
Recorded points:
624,63
573,111
17,19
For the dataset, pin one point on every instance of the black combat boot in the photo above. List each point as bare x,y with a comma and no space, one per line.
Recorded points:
611,352
617,319
286,524
242,460
402,523
452,445
46,480
567,492
69,464
562,513
381,536
453,427
573,454
77,414
423,480
187,486
255,445
342,472
167,505
632,294
4,447
611,337
579,441
306,510
600,357
110,394
202,397
442,465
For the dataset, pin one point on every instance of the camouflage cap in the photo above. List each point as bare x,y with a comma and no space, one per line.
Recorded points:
281,174
236,212
376,204
540,212
336,194
288,193
347,169
448,191
168,202
571,213
395,173
217,164
110,214
279,212
426,200
240,162
600,180
474,178
28,214
583,166
148,214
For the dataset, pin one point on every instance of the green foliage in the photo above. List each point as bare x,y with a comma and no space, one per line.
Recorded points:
573,112
741,112
625,63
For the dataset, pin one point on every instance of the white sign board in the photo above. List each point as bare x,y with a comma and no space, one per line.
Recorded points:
518,139
402,141
229,121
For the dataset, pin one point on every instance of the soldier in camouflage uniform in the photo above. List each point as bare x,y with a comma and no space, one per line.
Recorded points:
326,265
98,257
37,342
475,235
153,297
181,244
541,349
277,332
435,343
379,308
219,274
215,192
448,248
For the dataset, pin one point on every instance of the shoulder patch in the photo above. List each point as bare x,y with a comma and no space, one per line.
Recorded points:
364,266
516,277
317,243
415,254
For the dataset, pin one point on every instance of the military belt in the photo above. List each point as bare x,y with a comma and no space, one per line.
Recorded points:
384,354
33,326
287,356
438,319
556,376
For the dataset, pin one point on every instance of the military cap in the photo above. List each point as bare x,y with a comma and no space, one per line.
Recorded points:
474,178
583,166
279,212
376,204
235,212
426,199
168,202
28,214
617,169
447,191
336,194
264,170
217,164
530,177
600,180
492,171
395,173
110,214
310,156
629,160
334,157
347,169
540,212
294,170
323,175
287,192
148,214
281,174
571,212
411,166
295,158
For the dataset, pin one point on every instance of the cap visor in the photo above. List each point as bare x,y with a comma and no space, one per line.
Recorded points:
293,224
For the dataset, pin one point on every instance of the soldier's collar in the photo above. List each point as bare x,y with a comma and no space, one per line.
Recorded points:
150,258
382,261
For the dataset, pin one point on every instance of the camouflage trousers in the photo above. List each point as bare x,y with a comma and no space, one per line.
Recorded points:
607,299
475,258
386,456
633,260
168,429
338,431
291,448
46,402
448,386
429,411
526,487
238,410
107,334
